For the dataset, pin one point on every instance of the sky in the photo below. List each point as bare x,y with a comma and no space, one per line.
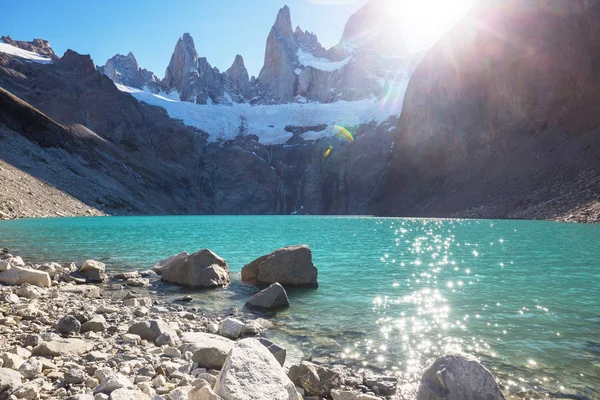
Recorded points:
220,28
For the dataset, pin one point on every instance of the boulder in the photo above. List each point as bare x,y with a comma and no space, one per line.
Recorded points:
289,266
209,351
251,372
31,368
96,324
93,271
203,392
89,265
271,298
458,377
29,291
68,325
62,347
10,381
20,275
316,380
151,330
231,328
4,265
203,269
159,266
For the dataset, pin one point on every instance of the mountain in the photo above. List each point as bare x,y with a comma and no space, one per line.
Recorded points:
297,68
125,70
502,116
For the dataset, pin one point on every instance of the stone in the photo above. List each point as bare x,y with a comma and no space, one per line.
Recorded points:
75,376
96,324
138,302
271,298
348,395
30,368
63,347
104,309
384,385
29,291
89,265
137,282
10,381
68,325
231,328
211,379
456,377
249,363
316,380
20,275
131,338
158,267
151,330
288,266
203,392
127,275
11,360
128,394
168,338
209,351
203,269
4,265
87,291
9,298
112,383
93,271
172,352
278,352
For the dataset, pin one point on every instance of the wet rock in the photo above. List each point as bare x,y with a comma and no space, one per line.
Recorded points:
20,275
289,266
151,330
250,362
316,380
209,351
159,266
384,385
271,298
456,377
231,328
68,325
203,269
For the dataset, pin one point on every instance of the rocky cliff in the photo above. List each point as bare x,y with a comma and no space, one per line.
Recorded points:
125,70
502,116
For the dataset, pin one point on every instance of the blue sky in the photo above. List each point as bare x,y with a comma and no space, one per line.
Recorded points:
150,28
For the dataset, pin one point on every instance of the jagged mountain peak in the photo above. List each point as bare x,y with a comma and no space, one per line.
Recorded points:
125,70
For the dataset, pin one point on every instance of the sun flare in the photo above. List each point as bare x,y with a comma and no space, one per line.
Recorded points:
424,22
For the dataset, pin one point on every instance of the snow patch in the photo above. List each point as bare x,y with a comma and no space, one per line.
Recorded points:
308,60
28,55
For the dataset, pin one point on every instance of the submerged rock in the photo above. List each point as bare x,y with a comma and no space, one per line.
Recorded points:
271,298
203,269
251,372
458,377
289,266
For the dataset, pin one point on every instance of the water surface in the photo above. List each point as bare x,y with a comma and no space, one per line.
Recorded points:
523,296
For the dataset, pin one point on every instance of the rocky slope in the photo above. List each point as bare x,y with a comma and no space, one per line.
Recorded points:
501,117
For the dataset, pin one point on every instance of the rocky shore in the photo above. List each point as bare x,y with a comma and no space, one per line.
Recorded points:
64,337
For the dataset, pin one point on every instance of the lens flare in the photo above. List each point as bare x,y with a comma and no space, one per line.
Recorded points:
327,152
343,133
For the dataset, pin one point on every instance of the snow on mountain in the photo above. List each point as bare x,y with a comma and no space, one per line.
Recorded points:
306,59
28,55
268,122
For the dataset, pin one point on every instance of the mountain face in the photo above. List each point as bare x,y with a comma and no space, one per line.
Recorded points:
502,116
125,70
297,68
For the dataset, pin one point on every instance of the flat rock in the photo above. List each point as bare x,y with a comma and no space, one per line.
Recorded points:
251,372
112,383
89,291
63,347
20,275
271,298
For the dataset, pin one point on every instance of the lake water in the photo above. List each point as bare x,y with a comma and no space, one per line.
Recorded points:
523,296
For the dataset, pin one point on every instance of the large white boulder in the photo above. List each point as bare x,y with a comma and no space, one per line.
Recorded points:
290,266
20,275
203,269
251,372
209,351
458,377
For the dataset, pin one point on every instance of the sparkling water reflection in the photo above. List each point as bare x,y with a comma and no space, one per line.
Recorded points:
394,293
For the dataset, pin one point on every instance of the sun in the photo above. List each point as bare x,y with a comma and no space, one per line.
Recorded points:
424,21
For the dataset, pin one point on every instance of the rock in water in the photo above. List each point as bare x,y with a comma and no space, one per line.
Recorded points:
315,379
251,372
270,298
289,266
20,275
159,266
203,269
458,377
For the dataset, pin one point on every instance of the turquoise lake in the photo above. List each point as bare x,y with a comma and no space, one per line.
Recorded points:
523,296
